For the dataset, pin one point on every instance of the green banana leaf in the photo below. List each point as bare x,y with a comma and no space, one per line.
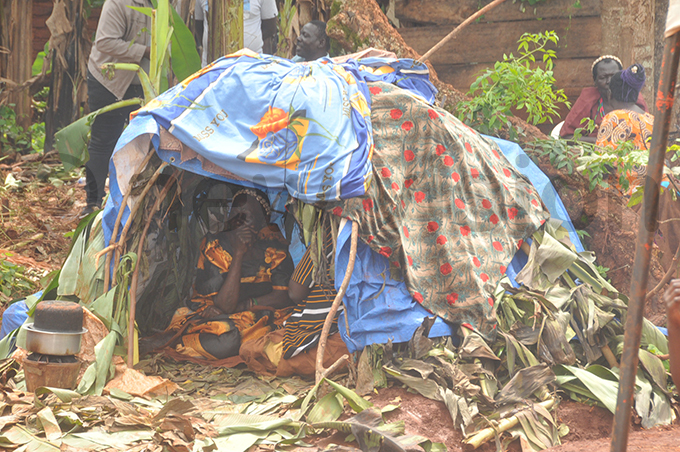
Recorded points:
71,141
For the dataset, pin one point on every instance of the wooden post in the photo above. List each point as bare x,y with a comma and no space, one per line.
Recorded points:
305,11
69,70
20,62
226,27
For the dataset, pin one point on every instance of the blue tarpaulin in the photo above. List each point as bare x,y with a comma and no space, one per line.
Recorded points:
380,308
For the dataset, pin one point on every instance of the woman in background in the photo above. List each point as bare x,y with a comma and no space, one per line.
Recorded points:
628,121
595,101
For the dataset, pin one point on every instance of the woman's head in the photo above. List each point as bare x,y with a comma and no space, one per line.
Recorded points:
249,207
603,69
625,85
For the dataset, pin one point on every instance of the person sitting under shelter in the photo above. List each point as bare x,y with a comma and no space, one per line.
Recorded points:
595,101
241,287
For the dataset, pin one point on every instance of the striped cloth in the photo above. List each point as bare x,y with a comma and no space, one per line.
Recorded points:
303,327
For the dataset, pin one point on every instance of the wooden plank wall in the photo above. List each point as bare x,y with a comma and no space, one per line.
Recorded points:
42,9
425,22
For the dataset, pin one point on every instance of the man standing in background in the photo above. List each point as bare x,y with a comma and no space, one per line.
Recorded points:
259,24
122,37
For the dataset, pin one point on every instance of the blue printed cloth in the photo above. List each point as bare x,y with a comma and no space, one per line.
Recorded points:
303,128
269,123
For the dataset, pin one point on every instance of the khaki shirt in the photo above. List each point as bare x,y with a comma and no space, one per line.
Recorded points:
120,39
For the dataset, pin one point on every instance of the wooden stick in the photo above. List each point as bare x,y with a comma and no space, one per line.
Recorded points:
667,277
135,274
116,225
320,371
609,356
456,30
131,217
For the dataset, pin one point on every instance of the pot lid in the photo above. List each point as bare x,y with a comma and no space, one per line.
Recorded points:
58,317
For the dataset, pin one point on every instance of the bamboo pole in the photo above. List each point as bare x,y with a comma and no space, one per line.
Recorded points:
116,225
320,371
457,30
486,434
643,250
135,274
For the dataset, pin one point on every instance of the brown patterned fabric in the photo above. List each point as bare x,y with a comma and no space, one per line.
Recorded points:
446,208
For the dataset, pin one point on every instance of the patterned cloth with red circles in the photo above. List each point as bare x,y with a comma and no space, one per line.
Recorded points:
446,207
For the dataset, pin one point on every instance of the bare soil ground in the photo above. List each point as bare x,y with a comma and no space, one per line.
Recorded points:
46,202
36,215
589,427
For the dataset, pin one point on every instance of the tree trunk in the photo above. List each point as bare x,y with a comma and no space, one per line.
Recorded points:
19,64
5,6
611,225
70,48
226,27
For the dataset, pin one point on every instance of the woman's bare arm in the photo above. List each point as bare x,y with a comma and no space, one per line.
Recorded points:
672,299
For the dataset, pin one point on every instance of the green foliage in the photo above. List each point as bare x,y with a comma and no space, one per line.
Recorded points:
561,153
286,45
598,164
12,136
518,83
13,280
39,61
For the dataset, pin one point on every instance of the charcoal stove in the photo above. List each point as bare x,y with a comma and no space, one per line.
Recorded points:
54,340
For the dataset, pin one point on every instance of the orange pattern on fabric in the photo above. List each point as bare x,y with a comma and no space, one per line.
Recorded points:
191,346
271,232
217,256
274,257
273,120
201,258
249,329
217,327
263,275
626,125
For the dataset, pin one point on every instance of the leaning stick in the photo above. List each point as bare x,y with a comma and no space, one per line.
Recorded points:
320,371
133,212
667,277
135,274
485,435
107,266
457,30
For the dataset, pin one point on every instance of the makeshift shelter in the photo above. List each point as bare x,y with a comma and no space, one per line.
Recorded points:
440,212
436,204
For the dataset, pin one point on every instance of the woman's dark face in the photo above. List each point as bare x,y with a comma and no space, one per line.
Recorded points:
603,75
246,211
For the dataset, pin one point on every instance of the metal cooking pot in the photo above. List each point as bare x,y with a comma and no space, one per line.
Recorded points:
51,343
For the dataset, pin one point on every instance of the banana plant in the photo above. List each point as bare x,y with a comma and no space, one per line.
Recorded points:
170,40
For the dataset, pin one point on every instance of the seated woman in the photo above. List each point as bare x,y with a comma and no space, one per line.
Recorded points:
628,121
241,288
292,350
595,101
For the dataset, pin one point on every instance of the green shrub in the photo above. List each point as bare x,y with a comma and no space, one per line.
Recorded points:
515,83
